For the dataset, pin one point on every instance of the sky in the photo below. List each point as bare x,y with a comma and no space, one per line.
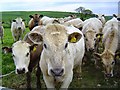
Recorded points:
107,7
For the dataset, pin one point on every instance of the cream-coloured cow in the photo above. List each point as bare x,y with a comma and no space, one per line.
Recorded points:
63,49
47,20
77,22
110,41
91,28
101,17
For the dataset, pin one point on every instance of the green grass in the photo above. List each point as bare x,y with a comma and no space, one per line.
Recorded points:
91,77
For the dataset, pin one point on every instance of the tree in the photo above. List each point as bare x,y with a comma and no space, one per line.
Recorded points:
80,9
87,11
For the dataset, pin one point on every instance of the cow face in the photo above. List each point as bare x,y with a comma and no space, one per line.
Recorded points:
108,62
56,42
19,23
90,38
21,56
36,17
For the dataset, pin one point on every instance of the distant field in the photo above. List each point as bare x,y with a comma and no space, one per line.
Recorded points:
7,17
91,77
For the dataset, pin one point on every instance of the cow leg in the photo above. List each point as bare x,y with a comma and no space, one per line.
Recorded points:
2,40
78,71
38,77
49,81
28,75
67,80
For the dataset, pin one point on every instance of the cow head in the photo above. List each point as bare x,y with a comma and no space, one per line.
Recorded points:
21,56
36,17
56,42
90,38
19,23
108,61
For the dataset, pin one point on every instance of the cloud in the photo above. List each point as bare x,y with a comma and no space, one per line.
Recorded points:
107,7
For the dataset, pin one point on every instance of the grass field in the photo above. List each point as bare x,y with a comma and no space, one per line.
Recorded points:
91,77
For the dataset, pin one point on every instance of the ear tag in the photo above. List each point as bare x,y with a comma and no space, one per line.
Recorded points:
73,39
98,36
34,49
117,57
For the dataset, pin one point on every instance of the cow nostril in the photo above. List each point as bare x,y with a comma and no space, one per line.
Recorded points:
91,50
23,69
57,72
108,75
19,28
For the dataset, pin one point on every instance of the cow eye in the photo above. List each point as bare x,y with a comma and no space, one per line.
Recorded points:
95,39
45,46
86,39
13,55
27,54
113,62
66,45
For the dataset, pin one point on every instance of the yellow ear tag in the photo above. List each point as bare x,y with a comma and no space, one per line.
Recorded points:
34,49
98,36
73,39
117,57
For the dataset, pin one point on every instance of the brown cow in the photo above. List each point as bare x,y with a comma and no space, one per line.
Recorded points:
35,21
26,56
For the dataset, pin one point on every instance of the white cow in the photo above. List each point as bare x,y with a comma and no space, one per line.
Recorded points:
101,17
63,49
46,20
17,28
77,22
1,32
110,41
91,28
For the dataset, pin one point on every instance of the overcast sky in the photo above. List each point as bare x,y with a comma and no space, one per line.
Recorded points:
97,6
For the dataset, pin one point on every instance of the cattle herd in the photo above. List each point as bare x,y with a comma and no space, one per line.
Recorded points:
58,45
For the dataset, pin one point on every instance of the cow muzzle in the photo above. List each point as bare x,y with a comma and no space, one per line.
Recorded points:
21,71
57,72
108,75
19,28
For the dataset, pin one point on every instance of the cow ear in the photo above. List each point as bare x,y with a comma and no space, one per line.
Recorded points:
97,55
96,16
99,35
2,22
23,20
118,19
41,16
35,37
74,37
114,15
103,15
30,16
14,20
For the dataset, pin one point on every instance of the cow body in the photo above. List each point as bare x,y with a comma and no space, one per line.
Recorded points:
77,22
17,28
60,54
91,27
47,20
110,41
